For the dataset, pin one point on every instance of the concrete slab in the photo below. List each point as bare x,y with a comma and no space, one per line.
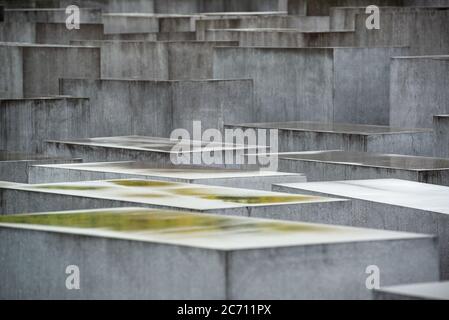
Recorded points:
57,33
30,70
156,108
18,197
389,204
322,7
418,291
156,60
354,83
58,15
14,166
441,128
248,179
26,123
110,6
419,90
239,257
349,165
158,151
298,136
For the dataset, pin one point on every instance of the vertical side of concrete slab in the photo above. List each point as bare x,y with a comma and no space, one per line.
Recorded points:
11,72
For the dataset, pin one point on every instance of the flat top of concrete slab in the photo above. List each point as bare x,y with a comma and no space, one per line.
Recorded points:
331,127
8,156
441,116
169,194
195,229
173,171
433,57
378,160
39,45
195,15
154,144
402,193
427,291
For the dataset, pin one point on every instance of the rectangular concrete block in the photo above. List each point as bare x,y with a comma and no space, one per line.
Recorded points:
126,107
239,258
441,128
26,123
248,179
156,60
347,165
322,7
17,32
57,33
416,291
419,90
14,166
35,69
111,6
288,83
159,151
297,136
54,15
389,204
16,197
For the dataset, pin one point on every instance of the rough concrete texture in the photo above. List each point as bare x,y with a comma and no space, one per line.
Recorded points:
112,5
288,83
27,123
124,107
156,60
34,70
419,90
17,32
354,82
305,136
258,180
388,204
441,127
272,264
57,33
346,165
15,166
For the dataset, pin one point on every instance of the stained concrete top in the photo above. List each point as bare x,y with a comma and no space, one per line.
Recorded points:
426,291
377,160
167,171
7,156
197,15
402,193
356,129
169,194
152,144
195,229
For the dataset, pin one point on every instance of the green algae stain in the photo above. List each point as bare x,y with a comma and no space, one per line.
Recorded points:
142,183
167,222
266,199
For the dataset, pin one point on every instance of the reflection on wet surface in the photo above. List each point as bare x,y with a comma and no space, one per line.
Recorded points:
372,159
193,229
331,127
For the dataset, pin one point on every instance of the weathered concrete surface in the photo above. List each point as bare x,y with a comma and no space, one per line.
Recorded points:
163,195
108,6
124,107
156,60
418,291
87,15
15,166
322,7
26,123
348,85
195,6
258,180
347,165
389,204
17,32
29,70
306,136
288,83
250,258
441,128
57,33
419,90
